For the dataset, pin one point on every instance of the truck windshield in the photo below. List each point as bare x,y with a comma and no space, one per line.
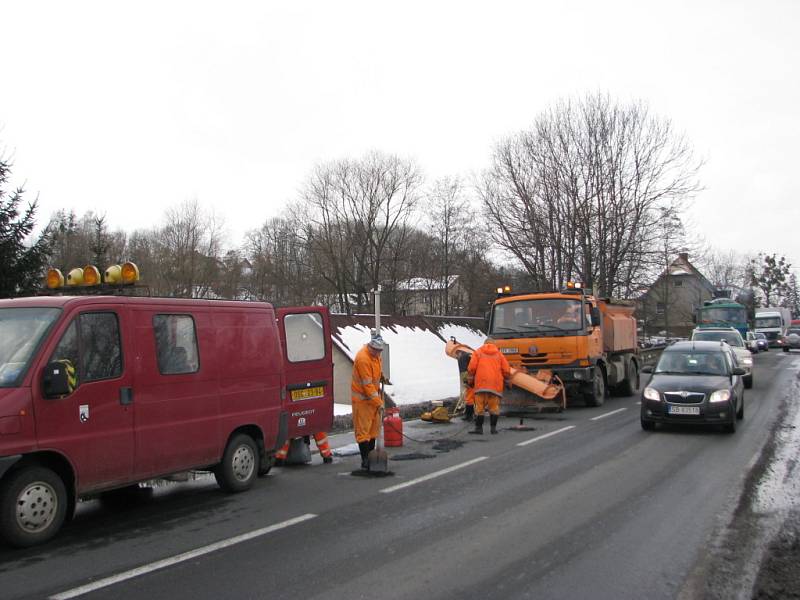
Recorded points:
732,338
546,315
768,321
21,331
723,315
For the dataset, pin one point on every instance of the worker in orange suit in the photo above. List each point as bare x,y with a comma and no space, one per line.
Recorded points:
365,396
467,391
488,370
323,446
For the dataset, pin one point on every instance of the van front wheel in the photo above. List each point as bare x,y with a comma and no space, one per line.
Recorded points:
239,467
33,506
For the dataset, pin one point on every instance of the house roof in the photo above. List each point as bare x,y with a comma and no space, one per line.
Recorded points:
419,284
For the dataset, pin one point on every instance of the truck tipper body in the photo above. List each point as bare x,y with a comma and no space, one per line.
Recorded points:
589,344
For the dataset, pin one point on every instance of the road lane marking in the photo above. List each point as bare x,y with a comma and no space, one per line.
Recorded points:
400,486
179,558
546,435
608,414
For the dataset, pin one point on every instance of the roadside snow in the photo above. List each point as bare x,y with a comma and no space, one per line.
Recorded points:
420,371
464,335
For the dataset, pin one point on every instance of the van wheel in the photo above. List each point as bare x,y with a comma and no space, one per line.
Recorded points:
598,394
239,467
33,506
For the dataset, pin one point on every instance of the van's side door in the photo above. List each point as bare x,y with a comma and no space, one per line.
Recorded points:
308,365
92,426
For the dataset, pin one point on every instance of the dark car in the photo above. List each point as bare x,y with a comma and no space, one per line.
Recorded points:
763,342
694,383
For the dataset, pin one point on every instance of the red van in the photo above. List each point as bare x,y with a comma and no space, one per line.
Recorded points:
101,392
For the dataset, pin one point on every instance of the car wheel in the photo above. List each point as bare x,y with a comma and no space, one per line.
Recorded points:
239,467
748,381
33,506
730,427
648,425
740,412
785,349
598,394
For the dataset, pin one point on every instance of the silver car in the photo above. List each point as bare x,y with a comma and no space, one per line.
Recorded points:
791,341
734,339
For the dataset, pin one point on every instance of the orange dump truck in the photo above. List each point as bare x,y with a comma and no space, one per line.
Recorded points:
589,344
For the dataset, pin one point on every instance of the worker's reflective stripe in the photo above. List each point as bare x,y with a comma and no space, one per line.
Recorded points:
370,381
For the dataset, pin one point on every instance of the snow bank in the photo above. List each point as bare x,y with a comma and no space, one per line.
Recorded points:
463,334
420,370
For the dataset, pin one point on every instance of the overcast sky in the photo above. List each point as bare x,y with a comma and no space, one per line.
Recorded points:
128,108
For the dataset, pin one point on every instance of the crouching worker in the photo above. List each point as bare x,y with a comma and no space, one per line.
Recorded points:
467,391
488,370
365,396
324,447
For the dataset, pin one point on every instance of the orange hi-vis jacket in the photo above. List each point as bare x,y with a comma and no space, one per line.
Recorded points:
490,369
365,386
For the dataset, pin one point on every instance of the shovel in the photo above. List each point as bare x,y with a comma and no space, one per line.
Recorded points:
377,459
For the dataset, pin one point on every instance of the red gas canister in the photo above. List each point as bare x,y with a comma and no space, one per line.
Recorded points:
393,427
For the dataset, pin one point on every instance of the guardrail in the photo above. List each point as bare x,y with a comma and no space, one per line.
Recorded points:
650,355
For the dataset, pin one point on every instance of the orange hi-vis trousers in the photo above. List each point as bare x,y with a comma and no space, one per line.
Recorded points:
321,440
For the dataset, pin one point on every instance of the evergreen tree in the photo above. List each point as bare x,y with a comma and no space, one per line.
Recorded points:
770,274
21,263
792,299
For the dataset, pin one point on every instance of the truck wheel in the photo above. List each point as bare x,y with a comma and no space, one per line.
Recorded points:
33,506
630,386
598,394
239,467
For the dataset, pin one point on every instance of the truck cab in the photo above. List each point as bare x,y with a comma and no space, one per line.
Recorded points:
588,343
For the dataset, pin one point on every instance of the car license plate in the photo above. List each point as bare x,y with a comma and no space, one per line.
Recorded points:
308,393
683,410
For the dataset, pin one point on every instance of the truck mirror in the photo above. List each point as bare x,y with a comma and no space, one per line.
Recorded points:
59,379
596,316
486,319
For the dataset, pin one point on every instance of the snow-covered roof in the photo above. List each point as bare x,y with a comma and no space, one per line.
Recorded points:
420,370
426,283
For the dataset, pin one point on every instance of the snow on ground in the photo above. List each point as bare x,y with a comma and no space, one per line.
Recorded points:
342,409
420,370
463,334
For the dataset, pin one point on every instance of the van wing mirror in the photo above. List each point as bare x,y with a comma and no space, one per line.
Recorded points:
596,320
59,379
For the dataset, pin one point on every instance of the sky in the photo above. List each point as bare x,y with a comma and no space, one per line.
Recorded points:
128,108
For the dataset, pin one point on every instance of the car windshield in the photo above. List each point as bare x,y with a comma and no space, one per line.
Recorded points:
732,338
692,363
21,330
546,315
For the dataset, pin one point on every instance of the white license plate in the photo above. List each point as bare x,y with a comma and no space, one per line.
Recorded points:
683,410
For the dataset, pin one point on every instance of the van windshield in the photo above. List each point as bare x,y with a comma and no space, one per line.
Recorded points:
21,331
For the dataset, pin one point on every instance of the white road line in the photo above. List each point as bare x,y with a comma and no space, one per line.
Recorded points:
400,486
546,435
167,562
608,414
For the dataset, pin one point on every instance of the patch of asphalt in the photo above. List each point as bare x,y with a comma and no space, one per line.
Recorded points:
756,553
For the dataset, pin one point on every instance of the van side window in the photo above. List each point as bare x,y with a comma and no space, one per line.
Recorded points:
67,349
101,350
176,344
305,337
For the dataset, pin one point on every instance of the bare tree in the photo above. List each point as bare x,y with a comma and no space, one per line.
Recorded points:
355,207
581,194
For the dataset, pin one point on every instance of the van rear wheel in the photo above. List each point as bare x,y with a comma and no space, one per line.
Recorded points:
239,467
33,506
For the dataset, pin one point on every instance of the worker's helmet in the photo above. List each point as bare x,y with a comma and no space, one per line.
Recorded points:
376,343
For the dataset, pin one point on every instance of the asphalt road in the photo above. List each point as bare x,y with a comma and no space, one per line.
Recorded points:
586,505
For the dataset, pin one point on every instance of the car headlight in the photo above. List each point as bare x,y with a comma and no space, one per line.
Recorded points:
720,396
747,361
652,394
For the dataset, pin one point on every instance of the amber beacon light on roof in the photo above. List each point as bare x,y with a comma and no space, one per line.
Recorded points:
89,276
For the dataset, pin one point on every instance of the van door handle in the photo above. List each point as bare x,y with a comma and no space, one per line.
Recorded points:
125,395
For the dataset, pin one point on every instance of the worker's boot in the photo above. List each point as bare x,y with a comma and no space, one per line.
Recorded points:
493,422
363,448
469,412
327,459
478,425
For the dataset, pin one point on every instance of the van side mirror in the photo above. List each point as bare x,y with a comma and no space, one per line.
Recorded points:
647,369
596,319
59,379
